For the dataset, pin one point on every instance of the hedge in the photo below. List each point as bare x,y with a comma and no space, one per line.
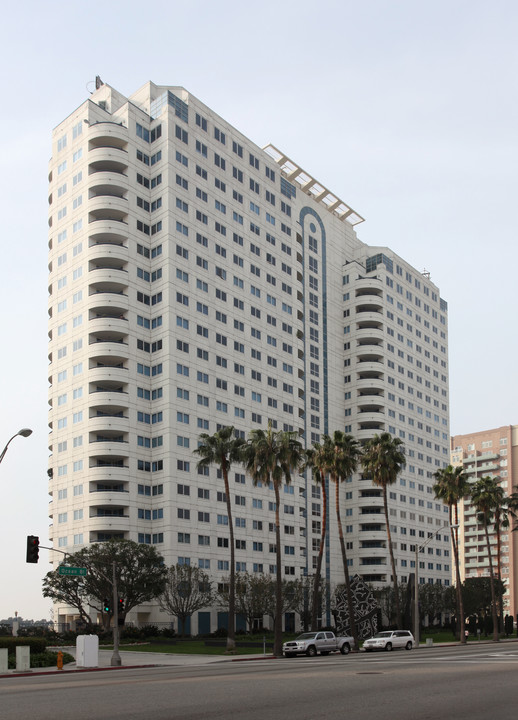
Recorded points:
36,644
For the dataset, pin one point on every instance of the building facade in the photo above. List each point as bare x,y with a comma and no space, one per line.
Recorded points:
494,453
197,281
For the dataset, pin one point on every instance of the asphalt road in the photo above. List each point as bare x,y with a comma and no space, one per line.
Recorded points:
476,682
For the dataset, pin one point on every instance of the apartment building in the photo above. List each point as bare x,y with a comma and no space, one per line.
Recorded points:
494,453
197,280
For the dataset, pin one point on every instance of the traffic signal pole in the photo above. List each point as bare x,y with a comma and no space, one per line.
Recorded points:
116,658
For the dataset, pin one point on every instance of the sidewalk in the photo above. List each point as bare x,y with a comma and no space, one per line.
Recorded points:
135,660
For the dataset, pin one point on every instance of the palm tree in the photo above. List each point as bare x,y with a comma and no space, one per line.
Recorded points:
271,457
344,454
224,449
452,485
317,460
485,497
383,460
505,508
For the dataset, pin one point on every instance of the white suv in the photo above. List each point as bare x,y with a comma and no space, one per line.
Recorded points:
389,639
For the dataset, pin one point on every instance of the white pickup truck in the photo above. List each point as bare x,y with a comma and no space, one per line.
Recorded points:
322,642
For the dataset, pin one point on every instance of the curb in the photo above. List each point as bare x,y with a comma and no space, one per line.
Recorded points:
36,672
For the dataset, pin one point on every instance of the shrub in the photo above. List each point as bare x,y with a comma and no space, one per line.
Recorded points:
37,645
43,659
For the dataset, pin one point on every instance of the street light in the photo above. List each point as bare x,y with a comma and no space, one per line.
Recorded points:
418,549
24,432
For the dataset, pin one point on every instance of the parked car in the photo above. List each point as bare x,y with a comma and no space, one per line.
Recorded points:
390,639
322,642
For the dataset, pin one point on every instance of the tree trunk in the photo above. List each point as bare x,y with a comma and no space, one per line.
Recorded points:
496,637
350,604
460,602
231,636
499,571
277,626
392,562
316,584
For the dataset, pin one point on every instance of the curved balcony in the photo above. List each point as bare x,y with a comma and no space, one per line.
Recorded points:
108,524
376,368
118,285
370,384
106,475
108,303
107,394
107,423
367,337
373,534
115,182
369,319
369,316
371,514
101,374
368,286
112,205
370,403
109,133
371,307
367,433
103,254
109,271
106,342
375,562
107,232
107,323
106,410
370,418
108,158
109,448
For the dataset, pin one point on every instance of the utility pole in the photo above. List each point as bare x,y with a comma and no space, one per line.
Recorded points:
116,658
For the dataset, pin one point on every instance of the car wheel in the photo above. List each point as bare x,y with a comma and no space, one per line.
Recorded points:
388,647
345,649
408,646
311,651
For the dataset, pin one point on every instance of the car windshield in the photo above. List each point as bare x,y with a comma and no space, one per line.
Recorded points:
306,636
384,634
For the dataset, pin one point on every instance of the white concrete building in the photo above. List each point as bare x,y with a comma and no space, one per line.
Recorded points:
196,281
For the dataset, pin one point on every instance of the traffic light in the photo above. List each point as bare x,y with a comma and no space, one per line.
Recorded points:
107,606
121,606
33,549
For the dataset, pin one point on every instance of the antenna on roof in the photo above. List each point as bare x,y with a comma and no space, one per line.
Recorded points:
98,82
426,274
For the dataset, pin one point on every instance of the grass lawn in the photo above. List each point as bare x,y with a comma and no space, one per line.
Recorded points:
187,647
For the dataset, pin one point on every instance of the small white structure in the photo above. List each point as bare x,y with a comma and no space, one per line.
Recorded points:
23,658
87,651
3,660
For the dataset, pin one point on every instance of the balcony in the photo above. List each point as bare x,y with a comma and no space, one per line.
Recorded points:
369,286
109,524
102,159
110,252
108,475
375,384
367,433
104,423
102,374
101,134
107,206
111,181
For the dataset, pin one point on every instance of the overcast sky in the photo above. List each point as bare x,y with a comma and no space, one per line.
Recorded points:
407,110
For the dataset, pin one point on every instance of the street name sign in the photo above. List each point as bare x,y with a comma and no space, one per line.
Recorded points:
66,570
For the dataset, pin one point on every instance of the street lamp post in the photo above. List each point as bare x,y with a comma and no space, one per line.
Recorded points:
24,432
